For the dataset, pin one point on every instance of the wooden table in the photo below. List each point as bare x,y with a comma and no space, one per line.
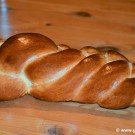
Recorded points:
76,23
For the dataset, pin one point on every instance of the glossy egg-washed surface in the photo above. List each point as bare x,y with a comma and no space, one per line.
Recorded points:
33,64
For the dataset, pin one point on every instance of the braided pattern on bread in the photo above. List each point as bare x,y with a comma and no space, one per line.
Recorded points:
33,64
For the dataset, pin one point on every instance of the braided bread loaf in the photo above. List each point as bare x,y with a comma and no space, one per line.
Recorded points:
33,64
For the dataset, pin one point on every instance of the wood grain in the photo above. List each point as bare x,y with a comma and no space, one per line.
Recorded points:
76,23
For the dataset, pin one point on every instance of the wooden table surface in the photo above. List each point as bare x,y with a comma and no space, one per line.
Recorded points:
76,23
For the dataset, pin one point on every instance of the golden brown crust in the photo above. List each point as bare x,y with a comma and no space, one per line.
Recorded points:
11,87
103,81
114,56
69,84
121,96
16,50
133,70
63,47
47,68
32,63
